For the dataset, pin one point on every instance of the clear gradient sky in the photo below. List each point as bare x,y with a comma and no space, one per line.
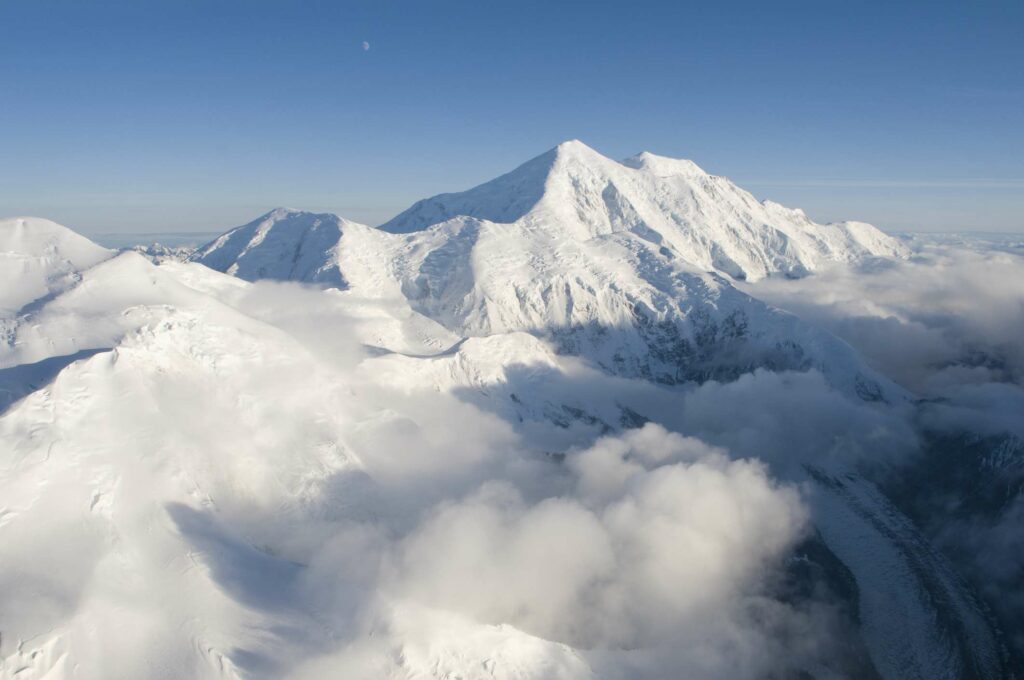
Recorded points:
158,115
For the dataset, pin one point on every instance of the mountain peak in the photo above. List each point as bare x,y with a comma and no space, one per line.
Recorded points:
574,148
573,144
283,244
553,182
40,237
38,257
284,213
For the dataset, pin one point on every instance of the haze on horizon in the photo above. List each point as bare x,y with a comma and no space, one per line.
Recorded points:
165,116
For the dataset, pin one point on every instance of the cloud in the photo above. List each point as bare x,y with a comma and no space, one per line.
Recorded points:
650,561
665,531
945,309
791,419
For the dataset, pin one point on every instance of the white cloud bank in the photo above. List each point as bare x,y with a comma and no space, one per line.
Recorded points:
946,317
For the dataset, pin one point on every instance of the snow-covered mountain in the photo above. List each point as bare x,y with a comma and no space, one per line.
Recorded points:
706,220
616,262
285,245
38,257
573,193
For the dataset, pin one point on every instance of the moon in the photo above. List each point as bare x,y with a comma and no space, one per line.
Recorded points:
366,46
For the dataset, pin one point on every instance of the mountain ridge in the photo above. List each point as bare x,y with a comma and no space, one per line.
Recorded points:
705,219
571,191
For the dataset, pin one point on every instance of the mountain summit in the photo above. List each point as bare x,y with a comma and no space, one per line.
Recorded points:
706,220
283,244
39,258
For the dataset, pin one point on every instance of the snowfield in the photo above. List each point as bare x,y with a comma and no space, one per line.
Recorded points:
544,428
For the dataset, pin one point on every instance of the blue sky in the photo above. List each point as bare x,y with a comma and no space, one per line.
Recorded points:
182,115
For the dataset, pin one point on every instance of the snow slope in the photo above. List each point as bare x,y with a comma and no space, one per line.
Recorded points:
622,302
